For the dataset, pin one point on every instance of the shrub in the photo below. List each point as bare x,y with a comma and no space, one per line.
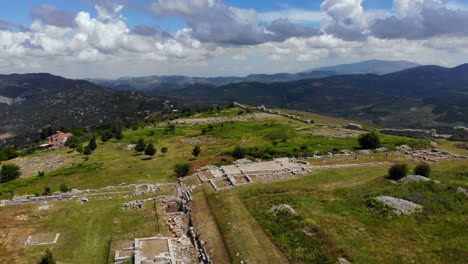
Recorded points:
397,171
238,153
9,172
423,170
164,150
196,151
140,146
47,190
64,188
182,170
87,150
369,141
150,150
47,258
92,144
40,174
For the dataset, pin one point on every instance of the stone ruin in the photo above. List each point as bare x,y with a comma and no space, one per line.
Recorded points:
42,239
155,249
433,155
245,171
28,199
262,108
460,133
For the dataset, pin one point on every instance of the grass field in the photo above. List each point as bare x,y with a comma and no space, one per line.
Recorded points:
333,219
89,233
333,216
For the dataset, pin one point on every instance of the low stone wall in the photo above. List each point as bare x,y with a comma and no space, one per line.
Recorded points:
414,133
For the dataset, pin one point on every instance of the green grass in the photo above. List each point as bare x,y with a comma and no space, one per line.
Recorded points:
334,219
86,230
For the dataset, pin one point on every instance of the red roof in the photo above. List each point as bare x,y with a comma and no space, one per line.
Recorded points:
60,135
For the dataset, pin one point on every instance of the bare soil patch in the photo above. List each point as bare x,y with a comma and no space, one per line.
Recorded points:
48,162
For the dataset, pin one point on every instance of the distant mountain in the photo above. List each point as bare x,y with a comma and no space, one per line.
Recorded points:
153,84
368,67
425,96
29,102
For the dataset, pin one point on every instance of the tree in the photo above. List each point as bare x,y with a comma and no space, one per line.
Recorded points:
150,150
8,153
140,146
164,150
47,258
9,172
182,170
117,130
104,137
92,144
196,151
79,148
369,141
423,170
73,142
238,153
397,171
87,151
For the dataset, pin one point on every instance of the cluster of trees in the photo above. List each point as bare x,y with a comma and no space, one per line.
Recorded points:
8,153
398,171
9,172
149,148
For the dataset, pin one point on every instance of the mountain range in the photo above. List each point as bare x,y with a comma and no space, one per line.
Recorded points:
153,84
421,97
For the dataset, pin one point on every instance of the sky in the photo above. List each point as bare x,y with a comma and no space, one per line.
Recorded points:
129,38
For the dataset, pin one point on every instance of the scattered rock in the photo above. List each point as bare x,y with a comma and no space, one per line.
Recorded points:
462,190
282,207
364,151
400,206
343,261
382,149
130,147
414,178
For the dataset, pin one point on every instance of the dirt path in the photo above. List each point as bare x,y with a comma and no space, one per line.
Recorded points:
205,222
253,244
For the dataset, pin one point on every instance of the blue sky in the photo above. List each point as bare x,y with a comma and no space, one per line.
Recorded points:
102,38
17,11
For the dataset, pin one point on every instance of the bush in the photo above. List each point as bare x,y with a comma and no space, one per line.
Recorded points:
182,170
423,170
164,150
47,190
64,188
8,153
92,144
196,151
150,150
40,173
140,146
397,171
9,172
238,153
369,141
47,258
73,142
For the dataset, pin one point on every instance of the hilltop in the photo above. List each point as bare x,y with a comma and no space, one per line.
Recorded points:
31,102
299,186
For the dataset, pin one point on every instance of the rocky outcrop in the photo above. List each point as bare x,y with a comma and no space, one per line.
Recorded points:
400,206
